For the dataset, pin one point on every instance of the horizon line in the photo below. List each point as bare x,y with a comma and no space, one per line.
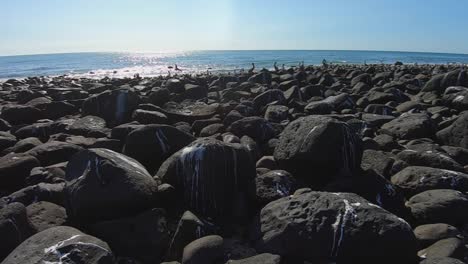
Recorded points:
199,50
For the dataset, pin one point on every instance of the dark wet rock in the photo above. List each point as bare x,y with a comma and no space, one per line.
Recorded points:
265,258
21,114
24,145
416,179
460,155
14,168
116,107
4,125
429,159
61,244
198,125
276,113
209,175
322,145
268,162
257,128
378,161
159,96
190,112
50,174
203,250
190,228
439,206
375,121
87,125
364,78
44,215
236,248
102,184
195,91
175,86
376,189
386,142
442,260
271,186
263,77
265,98
310,225
449,247
440,82
54,110
40,192
456,97
149,117
457,133
153,144
53,152
319,108
379,109
431,233
146,235
38,130
120,132
14,227
410,126
7,140
212,130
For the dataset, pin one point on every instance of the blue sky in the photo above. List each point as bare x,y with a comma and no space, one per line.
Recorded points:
54,26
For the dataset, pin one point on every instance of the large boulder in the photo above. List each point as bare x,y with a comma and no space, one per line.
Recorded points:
410,126
116,106
457,133
318,149
44,215
439,206
339,226
14,227
61,244
153,144
416,179
209,175
203,250
14,169
429,158
53,152
21,114
440,82
87,125
255,127
102,184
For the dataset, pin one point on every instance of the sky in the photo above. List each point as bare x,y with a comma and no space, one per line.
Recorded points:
58,26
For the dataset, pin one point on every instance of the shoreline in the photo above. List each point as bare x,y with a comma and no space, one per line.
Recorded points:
116,75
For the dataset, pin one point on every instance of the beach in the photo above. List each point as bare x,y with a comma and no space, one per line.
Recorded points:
307,163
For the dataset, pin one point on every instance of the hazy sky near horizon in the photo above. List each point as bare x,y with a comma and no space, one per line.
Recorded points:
55,26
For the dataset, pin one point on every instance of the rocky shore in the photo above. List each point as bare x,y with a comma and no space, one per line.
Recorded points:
332,164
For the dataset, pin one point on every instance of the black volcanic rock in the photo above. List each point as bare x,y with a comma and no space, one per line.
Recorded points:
317,150
61,244
340,226
208,175
116,107
153,144
102,184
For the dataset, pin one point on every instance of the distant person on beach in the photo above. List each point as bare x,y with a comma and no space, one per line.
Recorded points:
177,68
253,68
275,66
324,63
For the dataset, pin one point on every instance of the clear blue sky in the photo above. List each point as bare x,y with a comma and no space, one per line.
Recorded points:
52,26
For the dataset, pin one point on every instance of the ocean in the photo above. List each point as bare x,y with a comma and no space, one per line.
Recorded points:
121,64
